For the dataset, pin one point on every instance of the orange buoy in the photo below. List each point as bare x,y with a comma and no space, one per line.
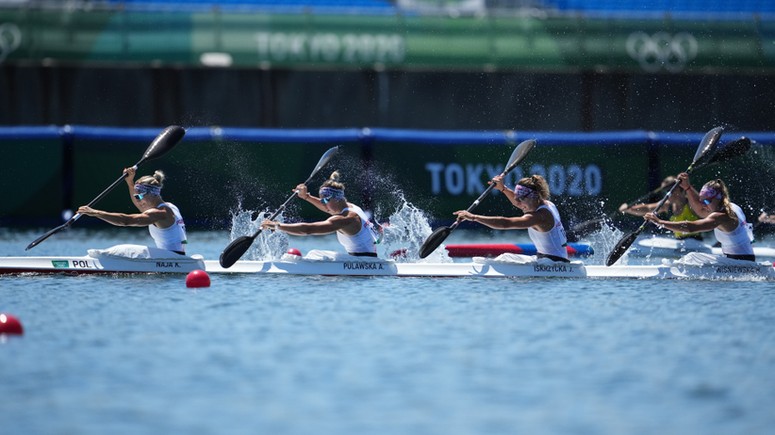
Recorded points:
198,278
10,325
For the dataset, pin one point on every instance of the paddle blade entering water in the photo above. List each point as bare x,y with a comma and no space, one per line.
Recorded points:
236,249
621,247
434,240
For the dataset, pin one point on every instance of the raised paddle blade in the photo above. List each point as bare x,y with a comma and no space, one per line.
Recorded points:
164,142
519,154
730,150
236,249
437,237
239,246
322,162
621,247
704,153
434,240
707,148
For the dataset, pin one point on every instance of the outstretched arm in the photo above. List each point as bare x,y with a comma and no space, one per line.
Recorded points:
144,219
328,226
501,222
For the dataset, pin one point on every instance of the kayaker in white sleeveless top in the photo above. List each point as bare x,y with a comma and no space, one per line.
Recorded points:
540,216
163,219
355,232
718,214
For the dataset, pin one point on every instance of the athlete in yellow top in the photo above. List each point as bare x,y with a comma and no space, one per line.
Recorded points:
678,205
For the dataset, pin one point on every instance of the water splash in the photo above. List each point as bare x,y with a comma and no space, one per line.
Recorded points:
407,229
603,242
269,245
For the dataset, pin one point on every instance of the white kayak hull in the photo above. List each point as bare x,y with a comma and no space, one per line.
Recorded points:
665,247
371,268
89,265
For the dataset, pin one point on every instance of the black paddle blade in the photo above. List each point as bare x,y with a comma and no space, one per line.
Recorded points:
707,148
236,249
50,233
621,247
519,154
434,240
164,142
730,150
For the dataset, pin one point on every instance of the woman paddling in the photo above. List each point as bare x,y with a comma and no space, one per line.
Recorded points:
717,213
353,229
163,219
540,216
678,205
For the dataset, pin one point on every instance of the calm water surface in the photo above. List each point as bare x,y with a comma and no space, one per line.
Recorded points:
302,355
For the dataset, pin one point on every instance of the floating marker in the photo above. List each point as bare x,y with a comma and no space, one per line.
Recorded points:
294,251
10,325
197,278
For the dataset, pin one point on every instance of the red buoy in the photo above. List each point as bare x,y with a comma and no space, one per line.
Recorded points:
10,325
198,278
294,251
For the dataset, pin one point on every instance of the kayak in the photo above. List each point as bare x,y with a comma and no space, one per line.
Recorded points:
335,264
495,249
666,247
118,259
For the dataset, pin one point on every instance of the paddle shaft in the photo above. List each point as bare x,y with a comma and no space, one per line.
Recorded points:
437,237
164,142
234,251
77,216
659,205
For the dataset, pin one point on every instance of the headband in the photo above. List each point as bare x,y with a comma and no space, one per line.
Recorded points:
524,192
147,189
331,193
710,193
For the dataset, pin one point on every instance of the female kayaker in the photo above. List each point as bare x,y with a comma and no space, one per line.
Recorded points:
718,214
163,219
540,216
356,233
677,204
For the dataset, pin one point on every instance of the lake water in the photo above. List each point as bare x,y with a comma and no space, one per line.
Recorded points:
328,355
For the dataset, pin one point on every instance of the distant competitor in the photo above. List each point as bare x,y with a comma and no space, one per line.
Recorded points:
355,232
677,204
718,214
163,219
540,216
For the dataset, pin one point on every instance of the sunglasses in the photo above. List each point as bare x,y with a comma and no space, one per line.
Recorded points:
325,199
139,196
707,201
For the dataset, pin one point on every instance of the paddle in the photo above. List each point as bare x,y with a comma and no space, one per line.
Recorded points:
730,150
592,224
240,245
702,157
725,152
164,142
440,234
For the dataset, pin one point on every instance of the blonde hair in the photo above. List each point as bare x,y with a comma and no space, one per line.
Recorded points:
157,179
719,186
333,181
537,183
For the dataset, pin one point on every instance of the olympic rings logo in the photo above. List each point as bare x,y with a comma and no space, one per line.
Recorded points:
662,50
10,39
